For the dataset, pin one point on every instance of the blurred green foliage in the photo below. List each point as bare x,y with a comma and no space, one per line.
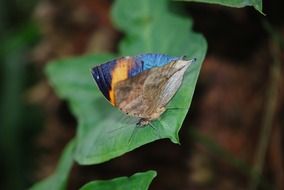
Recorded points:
19,122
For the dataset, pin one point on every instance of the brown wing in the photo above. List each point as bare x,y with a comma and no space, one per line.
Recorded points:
146,94
138,96
153,89
161,85
129,95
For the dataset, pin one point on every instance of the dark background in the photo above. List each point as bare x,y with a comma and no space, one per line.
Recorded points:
237,110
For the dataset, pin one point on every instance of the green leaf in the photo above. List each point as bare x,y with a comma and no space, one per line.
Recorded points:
58,180
104,132
138,181
257,4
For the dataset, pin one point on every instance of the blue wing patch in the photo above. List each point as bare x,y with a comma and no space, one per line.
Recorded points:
154,60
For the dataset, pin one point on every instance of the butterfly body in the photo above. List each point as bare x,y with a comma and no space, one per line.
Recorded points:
141,86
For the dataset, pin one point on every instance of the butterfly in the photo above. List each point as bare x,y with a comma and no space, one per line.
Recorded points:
141,86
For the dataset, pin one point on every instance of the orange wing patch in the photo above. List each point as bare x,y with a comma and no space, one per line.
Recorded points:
119,73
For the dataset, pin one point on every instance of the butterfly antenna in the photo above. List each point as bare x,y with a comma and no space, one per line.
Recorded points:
124,120
114,130
132,134
155,130
128,119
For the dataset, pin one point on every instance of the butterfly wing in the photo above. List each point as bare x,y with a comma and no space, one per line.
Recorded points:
146,94
142,85
129,95
161,85
107,75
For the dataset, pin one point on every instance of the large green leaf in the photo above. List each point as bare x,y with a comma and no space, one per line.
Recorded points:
138,181
58,180
149,26
257,4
